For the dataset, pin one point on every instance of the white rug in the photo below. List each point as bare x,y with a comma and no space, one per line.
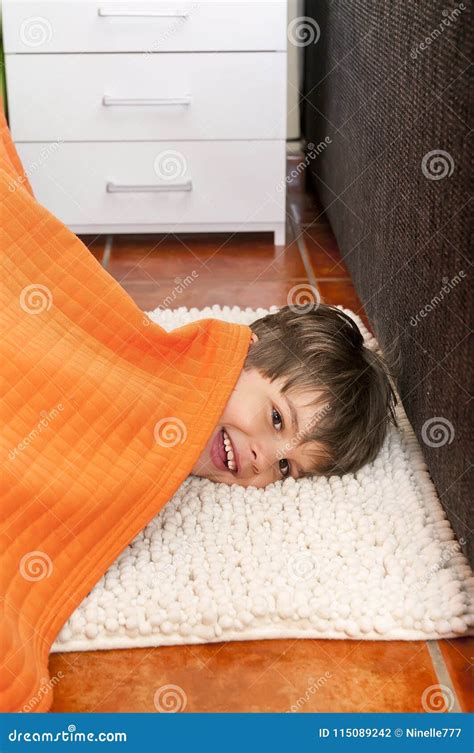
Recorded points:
370,555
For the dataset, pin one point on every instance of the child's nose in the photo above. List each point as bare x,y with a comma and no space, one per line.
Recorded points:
254,465
264,457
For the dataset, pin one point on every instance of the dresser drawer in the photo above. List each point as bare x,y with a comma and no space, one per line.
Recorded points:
132,96
158,182
39,26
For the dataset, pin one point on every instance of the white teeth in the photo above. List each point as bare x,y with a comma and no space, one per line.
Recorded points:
230,455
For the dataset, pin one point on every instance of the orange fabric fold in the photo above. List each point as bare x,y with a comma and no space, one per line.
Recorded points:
104,414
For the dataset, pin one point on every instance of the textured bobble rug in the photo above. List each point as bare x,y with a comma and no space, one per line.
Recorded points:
369,555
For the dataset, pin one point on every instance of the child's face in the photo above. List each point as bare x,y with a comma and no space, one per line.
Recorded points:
257,419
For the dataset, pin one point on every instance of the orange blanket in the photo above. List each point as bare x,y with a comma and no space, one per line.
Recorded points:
105,414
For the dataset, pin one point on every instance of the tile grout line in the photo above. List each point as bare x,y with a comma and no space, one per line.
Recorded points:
107,251
294,224
443,676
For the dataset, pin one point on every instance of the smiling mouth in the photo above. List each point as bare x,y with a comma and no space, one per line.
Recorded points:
230,461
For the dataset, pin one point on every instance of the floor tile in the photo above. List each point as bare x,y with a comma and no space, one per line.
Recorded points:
95,244
295,173
459,657
173,294
306,209
255,676
323,252
242,256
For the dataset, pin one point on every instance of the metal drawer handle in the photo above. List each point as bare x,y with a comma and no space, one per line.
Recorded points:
116,101
185,185
143,14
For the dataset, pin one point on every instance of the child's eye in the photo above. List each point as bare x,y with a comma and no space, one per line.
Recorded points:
279,419
284,460
276,415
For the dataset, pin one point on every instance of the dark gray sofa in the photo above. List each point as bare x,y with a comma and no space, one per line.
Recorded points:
387,82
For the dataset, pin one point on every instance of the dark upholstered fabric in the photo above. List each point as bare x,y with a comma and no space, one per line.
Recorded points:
386,103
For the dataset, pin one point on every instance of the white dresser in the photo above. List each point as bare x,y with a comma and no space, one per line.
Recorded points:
151,116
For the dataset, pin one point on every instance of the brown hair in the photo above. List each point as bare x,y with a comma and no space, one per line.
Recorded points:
322,349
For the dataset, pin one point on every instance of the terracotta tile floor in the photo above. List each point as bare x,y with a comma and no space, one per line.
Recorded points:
305,675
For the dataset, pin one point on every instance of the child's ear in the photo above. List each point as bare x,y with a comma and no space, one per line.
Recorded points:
254,338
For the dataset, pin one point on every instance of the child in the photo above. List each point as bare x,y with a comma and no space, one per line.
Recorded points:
311,400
